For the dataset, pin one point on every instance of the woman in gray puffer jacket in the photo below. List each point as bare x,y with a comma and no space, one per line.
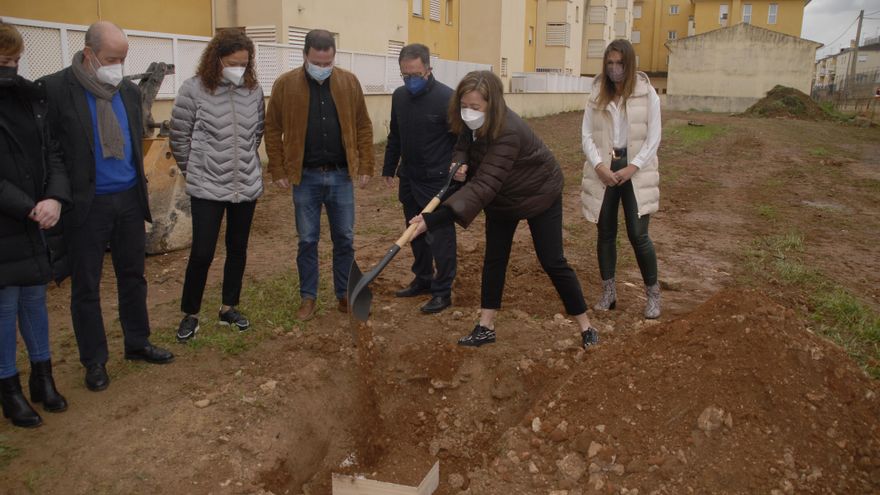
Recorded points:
216,128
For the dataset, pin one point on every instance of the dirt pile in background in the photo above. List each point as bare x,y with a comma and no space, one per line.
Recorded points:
736,397
782,101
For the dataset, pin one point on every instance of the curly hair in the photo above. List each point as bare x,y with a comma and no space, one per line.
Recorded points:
225,42
11,43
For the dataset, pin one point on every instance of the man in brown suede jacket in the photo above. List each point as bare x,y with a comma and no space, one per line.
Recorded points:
318,137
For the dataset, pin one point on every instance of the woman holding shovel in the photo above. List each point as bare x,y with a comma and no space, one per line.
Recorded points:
510,174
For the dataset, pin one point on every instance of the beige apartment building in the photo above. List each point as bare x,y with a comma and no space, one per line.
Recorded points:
833,71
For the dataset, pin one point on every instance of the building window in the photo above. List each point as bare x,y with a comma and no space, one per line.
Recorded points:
577,13
596,15
673,10
531,35
448,12
558,34
637,11
636,37
723,13
620,29
747,13
434,10
637,61
503,67
772,13
394,48
595,48
261,34
672,35
417,8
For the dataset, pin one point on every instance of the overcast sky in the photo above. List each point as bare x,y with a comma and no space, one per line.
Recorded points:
825,20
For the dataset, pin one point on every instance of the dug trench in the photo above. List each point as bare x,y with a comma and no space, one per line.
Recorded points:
737,388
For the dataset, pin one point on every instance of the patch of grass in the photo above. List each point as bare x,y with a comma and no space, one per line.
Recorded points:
851,324
690,137
819,152
839,315
7,452
767,212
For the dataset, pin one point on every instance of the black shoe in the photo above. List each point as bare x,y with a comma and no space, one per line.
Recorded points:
150,354
96,378
42,387
436,304
479,335
15,406
234,318
590,337
188,328
415,288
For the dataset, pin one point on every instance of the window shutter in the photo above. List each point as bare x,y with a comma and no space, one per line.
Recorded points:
558,34
434,13
261,34
596,15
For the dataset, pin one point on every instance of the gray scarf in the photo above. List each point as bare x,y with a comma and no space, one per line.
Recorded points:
109,130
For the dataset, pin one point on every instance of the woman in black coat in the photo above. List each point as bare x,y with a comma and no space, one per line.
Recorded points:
33,186
511,175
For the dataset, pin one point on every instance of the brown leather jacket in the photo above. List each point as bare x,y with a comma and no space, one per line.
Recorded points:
288,113
514,176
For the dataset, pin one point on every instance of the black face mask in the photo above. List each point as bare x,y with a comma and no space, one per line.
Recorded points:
8,75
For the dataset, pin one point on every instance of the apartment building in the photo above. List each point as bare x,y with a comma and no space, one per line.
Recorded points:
656,22
833,72
191,17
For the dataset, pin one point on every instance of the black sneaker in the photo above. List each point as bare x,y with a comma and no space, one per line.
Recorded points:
188,328
479,335
590,337
233,317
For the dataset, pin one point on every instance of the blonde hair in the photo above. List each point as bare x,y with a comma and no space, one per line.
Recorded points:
609,87
11,43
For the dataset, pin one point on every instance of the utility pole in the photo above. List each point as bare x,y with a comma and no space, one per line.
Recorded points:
855,54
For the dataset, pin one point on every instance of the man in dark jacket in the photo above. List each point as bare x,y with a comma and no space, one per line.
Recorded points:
419,151
96,117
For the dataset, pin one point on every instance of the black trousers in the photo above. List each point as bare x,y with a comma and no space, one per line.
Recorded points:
636,230
206,218
117,219
546,229
438,247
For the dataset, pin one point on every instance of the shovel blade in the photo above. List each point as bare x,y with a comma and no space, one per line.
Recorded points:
359,295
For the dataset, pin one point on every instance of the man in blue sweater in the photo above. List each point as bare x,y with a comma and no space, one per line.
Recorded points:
96,117
419,152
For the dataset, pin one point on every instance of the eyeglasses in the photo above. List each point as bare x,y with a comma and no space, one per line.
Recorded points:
407,77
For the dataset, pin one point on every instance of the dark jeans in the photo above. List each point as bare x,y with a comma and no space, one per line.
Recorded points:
332,189
546,229
27,305
636,230
207,215
118,219
440,249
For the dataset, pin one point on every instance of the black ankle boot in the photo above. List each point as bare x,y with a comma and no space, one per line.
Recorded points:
43,389
15,406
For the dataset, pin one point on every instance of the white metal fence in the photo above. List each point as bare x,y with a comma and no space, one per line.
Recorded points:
549,82
49,47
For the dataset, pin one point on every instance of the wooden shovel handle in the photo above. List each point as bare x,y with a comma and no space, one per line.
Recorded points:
408,233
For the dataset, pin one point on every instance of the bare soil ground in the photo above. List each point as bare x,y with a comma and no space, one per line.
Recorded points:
741,387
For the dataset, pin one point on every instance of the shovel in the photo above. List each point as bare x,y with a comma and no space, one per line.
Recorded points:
359,295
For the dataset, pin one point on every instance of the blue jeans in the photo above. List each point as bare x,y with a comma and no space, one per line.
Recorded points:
334,190
28,306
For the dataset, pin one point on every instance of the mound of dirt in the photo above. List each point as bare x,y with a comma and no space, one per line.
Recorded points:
782,101
736,397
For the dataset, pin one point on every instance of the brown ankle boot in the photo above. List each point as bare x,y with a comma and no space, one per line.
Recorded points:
307,310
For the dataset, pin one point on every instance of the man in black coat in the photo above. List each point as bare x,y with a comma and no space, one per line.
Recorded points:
419,151
96,117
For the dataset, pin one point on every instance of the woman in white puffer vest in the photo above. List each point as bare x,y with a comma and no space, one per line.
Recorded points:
620,136
216,128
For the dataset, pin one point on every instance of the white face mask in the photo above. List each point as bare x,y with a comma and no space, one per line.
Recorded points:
234,74
109,74
474,119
